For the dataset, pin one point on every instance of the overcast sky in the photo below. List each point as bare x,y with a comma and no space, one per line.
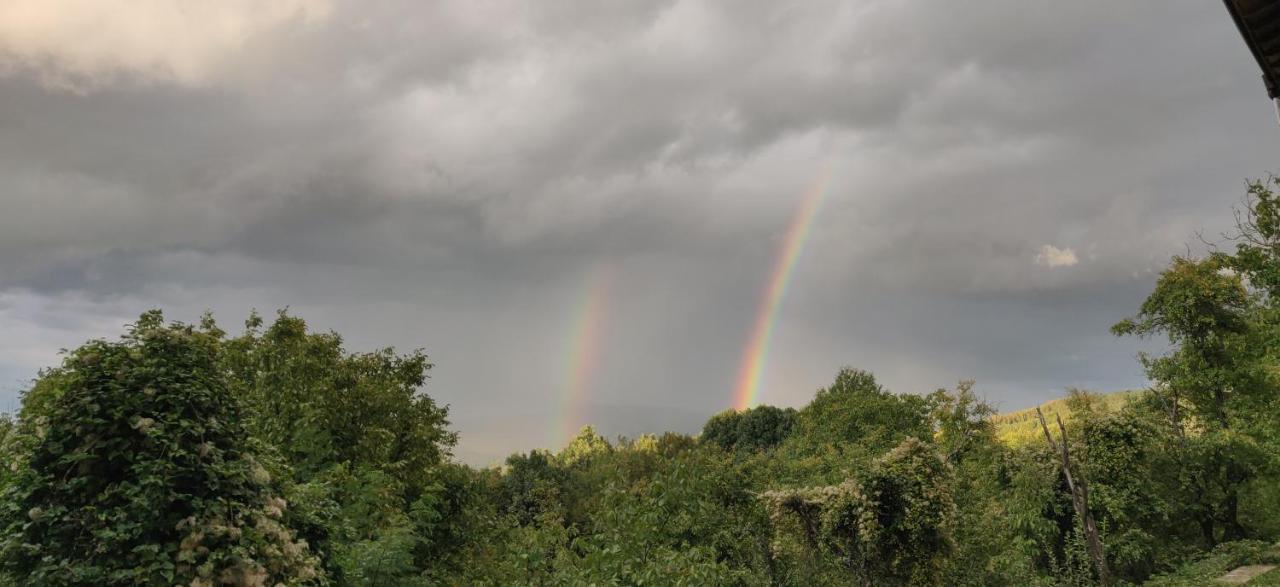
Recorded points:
1006,178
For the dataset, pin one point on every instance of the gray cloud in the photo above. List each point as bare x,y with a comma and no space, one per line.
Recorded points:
447,177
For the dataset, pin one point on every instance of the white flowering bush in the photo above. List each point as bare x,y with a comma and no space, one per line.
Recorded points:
141,474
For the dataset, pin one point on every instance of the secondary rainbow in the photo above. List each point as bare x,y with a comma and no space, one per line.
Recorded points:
756,353
582,354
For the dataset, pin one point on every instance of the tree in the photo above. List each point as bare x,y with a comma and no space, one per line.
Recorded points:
1203,311
533,485
1257,261
1214,370
690,521
753,429
909,492
142,473
362,443
962,422
1123,456
856,409
586,445
321,406
1257,238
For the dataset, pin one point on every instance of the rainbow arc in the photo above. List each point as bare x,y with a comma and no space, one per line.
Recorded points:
756,354
582,353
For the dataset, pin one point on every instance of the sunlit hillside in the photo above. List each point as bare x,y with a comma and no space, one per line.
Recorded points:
1020,427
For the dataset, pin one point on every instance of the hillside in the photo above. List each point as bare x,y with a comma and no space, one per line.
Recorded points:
1021,427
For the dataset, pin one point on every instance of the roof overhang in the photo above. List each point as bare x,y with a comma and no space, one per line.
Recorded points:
1259,24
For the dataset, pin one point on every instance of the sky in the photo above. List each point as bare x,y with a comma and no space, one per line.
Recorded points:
576,208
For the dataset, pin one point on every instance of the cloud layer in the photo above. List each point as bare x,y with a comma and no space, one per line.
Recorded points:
81,45
448,175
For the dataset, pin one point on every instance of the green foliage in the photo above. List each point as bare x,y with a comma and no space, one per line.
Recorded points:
1216,381
386,559
678,518
532,486
891,528
585,446
1194,302
754,429
988,548
1127,468
454,512
1225,557
693,518
362,444
321,406
855,409
1258,238
910,514
962,422
1204,313
142,472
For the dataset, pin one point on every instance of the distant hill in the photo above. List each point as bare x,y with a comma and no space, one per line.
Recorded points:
1021,427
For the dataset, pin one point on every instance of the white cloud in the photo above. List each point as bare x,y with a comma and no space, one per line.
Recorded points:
84,44
1051,256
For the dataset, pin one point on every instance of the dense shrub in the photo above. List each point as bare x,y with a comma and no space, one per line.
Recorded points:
142,473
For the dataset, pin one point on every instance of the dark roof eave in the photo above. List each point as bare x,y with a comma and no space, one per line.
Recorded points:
1265,14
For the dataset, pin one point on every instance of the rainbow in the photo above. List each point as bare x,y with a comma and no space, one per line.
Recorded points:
581,356
756,353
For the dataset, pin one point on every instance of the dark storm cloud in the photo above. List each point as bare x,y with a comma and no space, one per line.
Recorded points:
449,176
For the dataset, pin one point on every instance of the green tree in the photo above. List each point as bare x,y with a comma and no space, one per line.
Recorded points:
321,406
586,445
857,410
1257,238
911,513
753,429
141,472
693,520
1214,370
962,422
533,485
1257,261
1124,457
1204,313
363,444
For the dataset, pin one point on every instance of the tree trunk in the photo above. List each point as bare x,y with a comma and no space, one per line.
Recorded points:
1231,527
1206,528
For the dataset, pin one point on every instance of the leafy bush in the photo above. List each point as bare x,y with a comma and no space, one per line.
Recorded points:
142,472
758,428
893,527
